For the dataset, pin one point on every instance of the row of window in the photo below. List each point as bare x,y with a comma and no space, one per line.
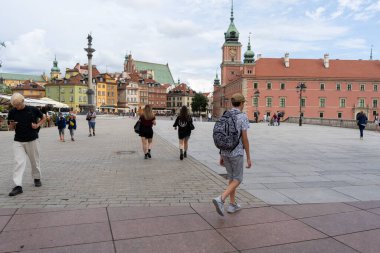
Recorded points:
70,90
178,98
103,93
178,104
110,87
338,86
322,102
109,101
71,99
157,90
156,96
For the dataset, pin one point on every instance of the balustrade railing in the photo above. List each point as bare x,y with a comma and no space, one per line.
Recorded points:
331,122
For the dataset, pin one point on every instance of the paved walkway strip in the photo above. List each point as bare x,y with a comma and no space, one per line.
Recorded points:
311,228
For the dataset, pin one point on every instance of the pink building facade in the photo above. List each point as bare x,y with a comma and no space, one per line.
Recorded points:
335,89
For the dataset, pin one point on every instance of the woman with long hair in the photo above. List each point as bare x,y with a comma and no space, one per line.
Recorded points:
147,120
184,122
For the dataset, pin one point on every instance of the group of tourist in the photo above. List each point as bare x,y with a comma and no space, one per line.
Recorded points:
232,159
275,120
71,122
183,122
27,120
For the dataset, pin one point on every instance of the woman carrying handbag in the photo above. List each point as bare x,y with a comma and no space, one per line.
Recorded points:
147,121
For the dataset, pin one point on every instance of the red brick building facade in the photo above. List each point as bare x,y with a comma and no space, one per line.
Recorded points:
334,88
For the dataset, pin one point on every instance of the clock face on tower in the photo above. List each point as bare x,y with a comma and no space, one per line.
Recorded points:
232,52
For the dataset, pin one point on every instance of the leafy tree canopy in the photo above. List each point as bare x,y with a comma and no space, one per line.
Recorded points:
199,103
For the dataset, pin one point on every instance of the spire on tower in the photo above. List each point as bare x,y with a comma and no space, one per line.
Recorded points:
370,57
249,41
232,34
232,11
249,55
216,80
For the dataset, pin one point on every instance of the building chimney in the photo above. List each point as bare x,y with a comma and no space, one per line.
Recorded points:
286,60
326,61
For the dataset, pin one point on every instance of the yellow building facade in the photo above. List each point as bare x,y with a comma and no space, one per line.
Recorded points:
106,93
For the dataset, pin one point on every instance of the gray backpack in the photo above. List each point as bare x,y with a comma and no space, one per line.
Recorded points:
225,134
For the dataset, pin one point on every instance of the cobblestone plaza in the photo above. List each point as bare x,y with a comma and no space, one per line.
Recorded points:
311,189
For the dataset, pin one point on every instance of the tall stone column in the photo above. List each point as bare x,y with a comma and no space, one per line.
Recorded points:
90,91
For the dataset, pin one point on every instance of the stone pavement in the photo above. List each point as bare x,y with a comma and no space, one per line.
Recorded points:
109,170
292,164
107,198
307,228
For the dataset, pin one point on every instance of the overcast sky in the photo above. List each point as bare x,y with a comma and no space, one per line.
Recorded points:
187,34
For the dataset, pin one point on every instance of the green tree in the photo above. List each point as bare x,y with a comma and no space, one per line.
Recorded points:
5,89
199,103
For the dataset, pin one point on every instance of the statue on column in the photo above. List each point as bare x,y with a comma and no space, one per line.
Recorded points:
89,38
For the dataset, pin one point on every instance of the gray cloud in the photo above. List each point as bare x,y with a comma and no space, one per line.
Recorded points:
187,34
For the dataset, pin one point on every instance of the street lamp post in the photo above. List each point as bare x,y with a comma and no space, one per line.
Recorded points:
257,95
300,88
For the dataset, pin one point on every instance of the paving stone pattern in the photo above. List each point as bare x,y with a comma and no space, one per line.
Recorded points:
292,164
99,195
339,228
109,170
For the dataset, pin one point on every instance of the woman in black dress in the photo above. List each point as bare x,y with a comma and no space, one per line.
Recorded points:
184,122
147,119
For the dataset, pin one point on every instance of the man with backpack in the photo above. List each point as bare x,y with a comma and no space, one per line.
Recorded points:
230,136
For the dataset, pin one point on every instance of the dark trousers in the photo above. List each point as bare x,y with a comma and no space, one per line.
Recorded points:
361,128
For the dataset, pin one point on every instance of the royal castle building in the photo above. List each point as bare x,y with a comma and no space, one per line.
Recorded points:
335,89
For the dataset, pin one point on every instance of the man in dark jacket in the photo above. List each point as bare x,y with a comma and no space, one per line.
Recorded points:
25,120
361,120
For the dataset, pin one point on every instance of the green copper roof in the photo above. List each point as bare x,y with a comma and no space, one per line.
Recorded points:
22,77
232,34
55,66
249,54
162,72
216,80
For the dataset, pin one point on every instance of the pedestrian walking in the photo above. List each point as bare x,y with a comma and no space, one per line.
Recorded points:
230,136
256,116
361,120
26,121
275,119
147,121
72,126
377,121
61,124
185,125
91,116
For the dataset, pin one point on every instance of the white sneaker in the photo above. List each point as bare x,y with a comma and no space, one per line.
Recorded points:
232,208
219,205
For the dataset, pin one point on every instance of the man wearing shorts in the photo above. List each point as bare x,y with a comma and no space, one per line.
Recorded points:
91,116
234,160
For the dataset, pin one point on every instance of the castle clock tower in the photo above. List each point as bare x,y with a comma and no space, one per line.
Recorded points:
231,63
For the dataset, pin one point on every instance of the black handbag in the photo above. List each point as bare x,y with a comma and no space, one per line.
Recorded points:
137,127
